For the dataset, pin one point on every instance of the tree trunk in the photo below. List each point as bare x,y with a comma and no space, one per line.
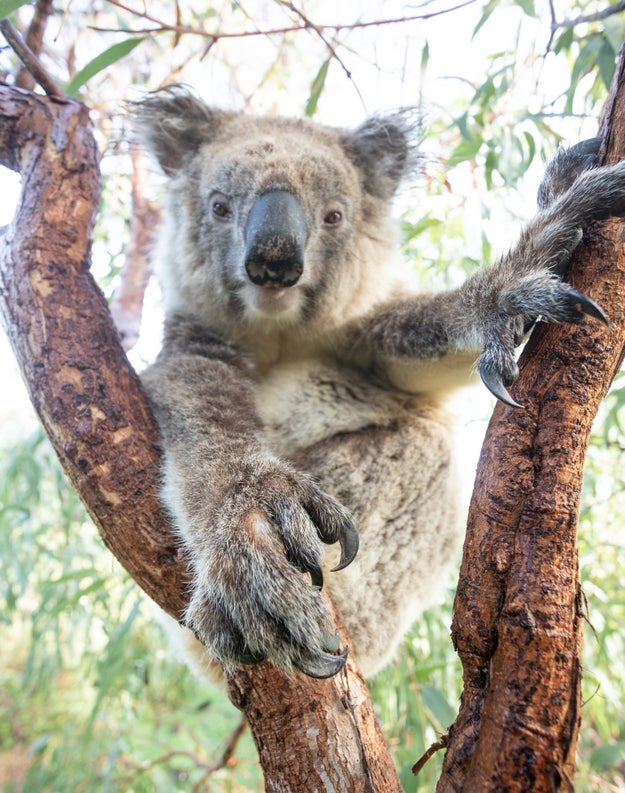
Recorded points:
310,734
518,614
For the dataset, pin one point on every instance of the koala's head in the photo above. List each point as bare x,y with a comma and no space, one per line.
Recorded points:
273,220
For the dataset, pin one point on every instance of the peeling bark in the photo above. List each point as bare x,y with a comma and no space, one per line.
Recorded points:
92,407
518,614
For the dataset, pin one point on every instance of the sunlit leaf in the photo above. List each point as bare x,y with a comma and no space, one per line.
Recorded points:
316,88
465,150
528,7
101,62
488,10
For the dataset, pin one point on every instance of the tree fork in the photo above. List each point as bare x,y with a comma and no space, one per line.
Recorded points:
518,614
310,734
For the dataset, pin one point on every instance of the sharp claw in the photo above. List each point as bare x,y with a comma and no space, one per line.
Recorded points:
322,666
316,576
583,305
349,541
495,385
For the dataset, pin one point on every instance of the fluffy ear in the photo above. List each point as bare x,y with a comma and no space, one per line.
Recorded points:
385,149
173,123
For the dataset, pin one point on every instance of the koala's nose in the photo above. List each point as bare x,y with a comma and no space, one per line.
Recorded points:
275,240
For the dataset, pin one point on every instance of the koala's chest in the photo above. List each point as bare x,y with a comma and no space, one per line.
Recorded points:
305,402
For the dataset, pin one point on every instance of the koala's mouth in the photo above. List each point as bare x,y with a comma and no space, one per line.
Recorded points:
271,301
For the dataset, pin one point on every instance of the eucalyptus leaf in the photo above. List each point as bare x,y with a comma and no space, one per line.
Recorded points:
317,88
101,62
9,6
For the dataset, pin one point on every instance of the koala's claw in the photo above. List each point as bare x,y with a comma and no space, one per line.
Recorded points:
349,542
494,382
553,301
581,306
316,576
321,666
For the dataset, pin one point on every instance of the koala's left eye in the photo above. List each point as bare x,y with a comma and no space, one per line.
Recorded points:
333,218
221,210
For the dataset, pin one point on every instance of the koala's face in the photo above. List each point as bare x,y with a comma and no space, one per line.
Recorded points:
268,216
275,217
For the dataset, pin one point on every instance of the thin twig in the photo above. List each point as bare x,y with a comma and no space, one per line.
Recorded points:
599,15
29,59
162,27
435,747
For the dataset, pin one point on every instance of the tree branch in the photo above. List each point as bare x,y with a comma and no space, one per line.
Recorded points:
127,303
166,27
34,40
518,614
29,59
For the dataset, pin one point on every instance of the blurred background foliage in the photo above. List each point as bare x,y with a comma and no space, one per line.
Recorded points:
90,696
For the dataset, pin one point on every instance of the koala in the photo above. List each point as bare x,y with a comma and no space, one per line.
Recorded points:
302,385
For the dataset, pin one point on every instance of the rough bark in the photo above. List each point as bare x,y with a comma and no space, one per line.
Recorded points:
518,614
310,734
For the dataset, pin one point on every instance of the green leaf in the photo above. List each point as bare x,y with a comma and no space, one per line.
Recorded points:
531,145
528,7
9,6
465,150
437,704
606,60
316,88
101,62
607,755
488,10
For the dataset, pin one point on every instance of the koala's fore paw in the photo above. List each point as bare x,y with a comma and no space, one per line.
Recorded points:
537,297
251,601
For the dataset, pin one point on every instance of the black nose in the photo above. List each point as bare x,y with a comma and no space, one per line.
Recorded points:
275,240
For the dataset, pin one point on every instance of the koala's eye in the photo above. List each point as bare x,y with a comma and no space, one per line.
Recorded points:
221,210
333,218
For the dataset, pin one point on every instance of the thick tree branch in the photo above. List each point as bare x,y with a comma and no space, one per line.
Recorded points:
309,733
518,613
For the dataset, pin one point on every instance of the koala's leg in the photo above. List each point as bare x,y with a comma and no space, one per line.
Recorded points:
250,523
487,316
400,484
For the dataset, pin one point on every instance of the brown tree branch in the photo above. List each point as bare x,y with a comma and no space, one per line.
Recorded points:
518,614
127,303
309,733
29,59
34,40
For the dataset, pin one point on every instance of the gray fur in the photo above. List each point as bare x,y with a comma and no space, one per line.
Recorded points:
289,415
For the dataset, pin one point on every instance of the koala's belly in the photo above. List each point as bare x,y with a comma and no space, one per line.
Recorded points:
306,402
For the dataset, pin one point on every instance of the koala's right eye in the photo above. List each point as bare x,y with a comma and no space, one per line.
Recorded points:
221,210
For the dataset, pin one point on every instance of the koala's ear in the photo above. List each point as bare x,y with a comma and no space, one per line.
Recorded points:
173,123
385,149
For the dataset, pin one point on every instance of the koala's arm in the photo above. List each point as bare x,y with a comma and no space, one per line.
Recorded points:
431,342
250,524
